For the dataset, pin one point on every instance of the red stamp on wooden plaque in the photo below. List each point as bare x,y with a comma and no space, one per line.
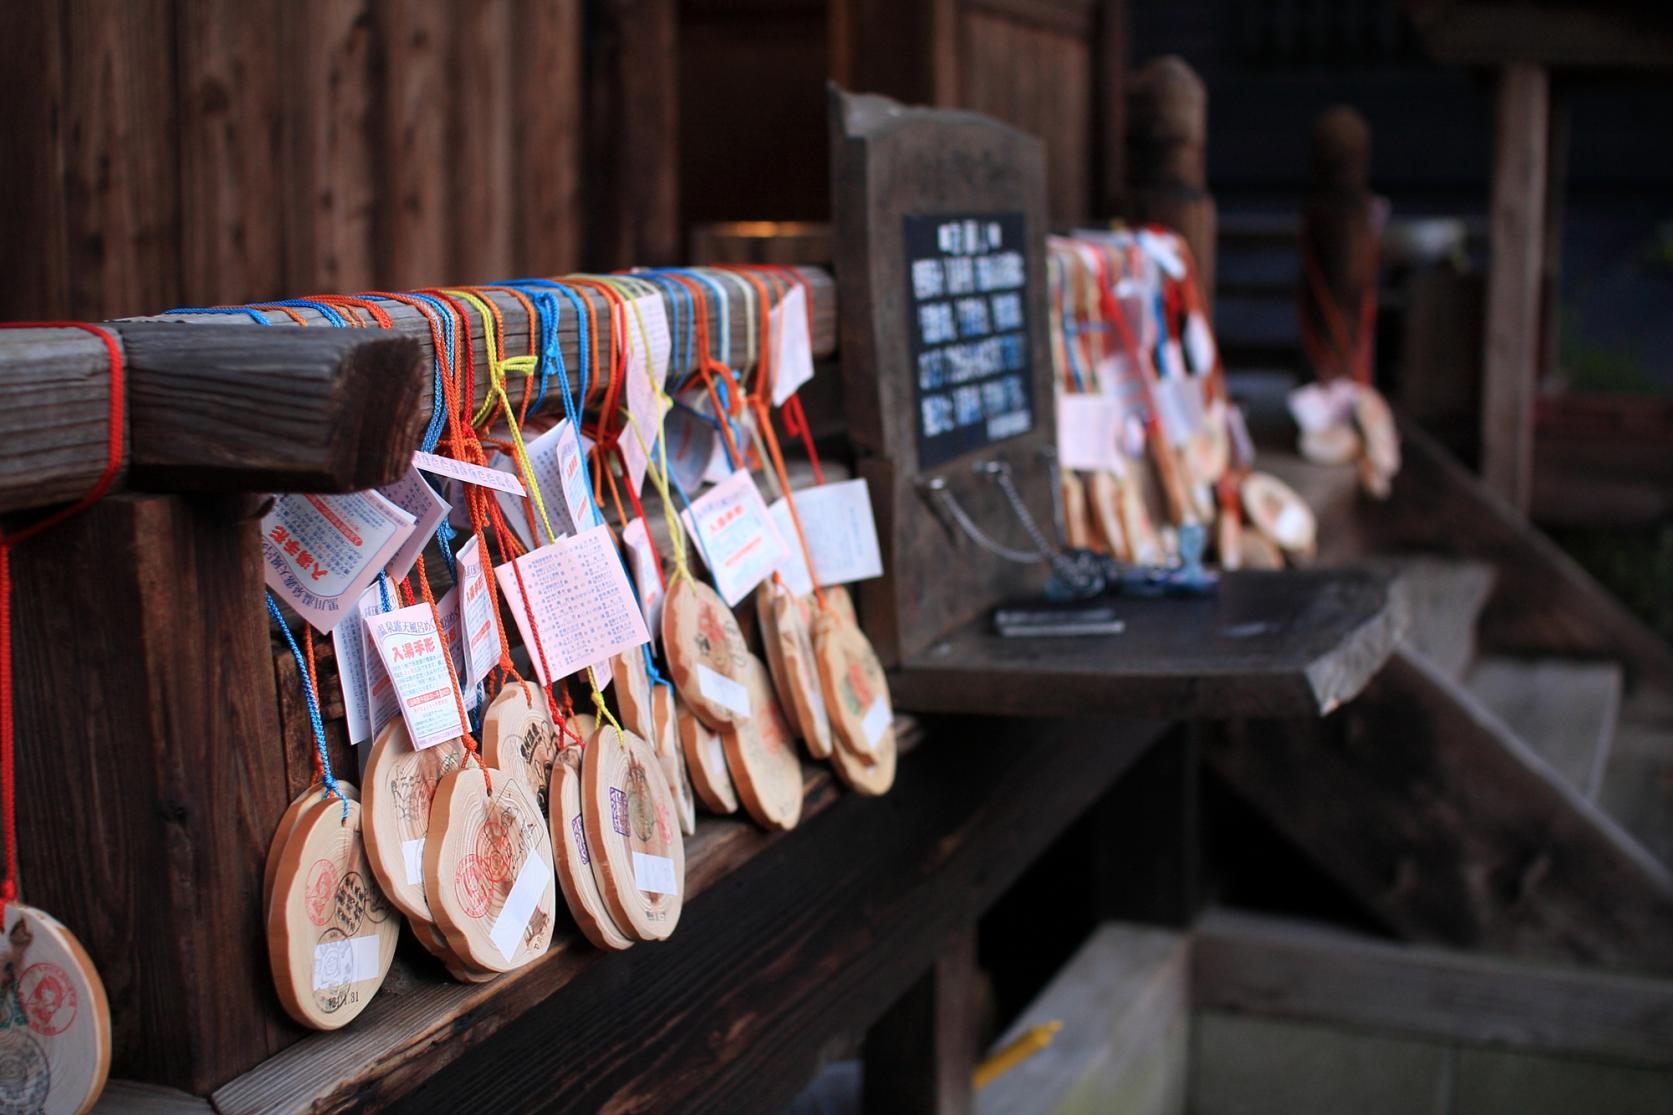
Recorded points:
493,851
49,998
470,888
321,895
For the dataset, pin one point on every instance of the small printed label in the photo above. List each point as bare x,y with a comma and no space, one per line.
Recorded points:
348,641
740,543
723,691
792,345
579,835
875,722
382,705
508,928
1089,432
344,961
579,603
481,639
412,854
414,496
471,474
647,325
646,575
618,811
321,551
654,874
413,653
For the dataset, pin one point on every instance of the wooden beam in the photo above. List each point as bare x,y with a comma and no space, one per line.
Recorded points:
920,1054
1517,259
1279,968
217,408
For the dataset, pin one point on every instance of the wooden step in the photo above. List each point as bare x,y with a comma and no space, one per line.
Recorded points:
1442,599
1123,1002
1448,828
1637,784
1565,710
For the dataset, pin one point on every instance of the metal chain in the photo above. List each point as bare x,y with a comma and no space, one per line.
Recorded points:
938,487
1079,576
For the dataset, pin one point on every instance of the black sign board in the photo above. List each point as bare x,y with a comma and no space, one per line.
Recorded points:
967,276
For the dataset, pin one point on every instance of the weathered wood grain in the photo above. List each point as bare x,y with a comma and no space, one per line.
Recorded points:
920,1054
548,220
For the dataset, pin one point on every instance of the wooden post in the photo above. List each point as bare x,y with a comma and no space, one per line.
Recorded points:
1510,362
1338,244
920,1054
150,772
1167,139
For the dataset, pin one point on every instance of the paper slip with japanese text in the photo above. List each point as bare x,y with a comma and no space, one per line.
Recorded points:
646,373
471,474
840,530
382,705
792,345
413,651
482,625
738,539
412,495
642,561
447,610
348,642
321,551
1089,432
583,608
555,463
692,442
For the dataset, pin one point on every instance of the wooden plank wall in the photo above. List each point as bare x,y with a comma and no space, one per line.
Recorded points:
168,152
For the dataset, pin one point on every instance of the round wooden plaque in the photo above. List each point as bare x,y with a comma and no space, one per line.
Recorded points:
400,784
1228,541
871,779
55,1043
574,857
668,753
1208,450
761,754
330,932
1257,551
281,837
857,694
793,630
1143,540
1077,518
633,692
705,760
520,738
1278,512
1104,493
634,834
841,605
1382,438
488,870
707,655
436,945
1335,444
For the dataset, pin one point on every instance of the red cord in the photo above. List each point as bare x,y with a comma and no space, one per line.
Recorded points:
113,465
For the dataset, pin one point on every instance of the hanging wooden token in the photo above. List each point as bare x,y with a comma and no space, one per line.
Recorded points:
705,760
633,691
1382,440
1142,538
520,738
707,655
1208,449
400,784
1104,495
488,870
1335,444
873,778
574,860
436,945
1228,540
281,837
841,605
800,694
1077,520
634,834
666,742
54,1018
1258,551
330,933
1278,512
857,694
762,756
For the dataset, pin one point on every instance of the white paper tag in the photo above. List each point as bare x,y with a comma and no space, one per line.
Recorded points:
412,495
646,373
481,625
411,649
412,855
583,608
645,575
792,345
321,551
471,474
1088,432
876,721
348,641
691,443
841,533
740,543
1160,248
1318,406
555,463
344,961
1179,408
1199,343
507,931
1291,527
382,705
722,690
654,874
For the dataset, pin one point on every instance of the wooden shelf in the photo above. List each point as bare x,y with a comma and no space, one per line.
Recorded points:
1297,643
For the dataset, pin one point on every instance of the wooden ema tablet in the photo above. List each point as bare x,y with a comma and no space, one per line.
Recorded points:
520,738
840,604
633,833
54,1018
1208,449
488,870
400,784
1335,444
1103,493
857,695
330,932
1140,529
761,755
666,742
790,660
574,856
705,760
281,837
707,655
633,692
1278,512
436,945
1259,552
1077,518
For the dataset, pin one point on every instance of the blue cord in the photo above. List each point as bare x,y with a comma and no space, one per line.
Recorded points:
331,786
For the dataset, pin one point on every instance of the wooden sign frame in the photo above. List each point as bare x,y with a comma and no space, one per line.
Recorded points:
891,166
